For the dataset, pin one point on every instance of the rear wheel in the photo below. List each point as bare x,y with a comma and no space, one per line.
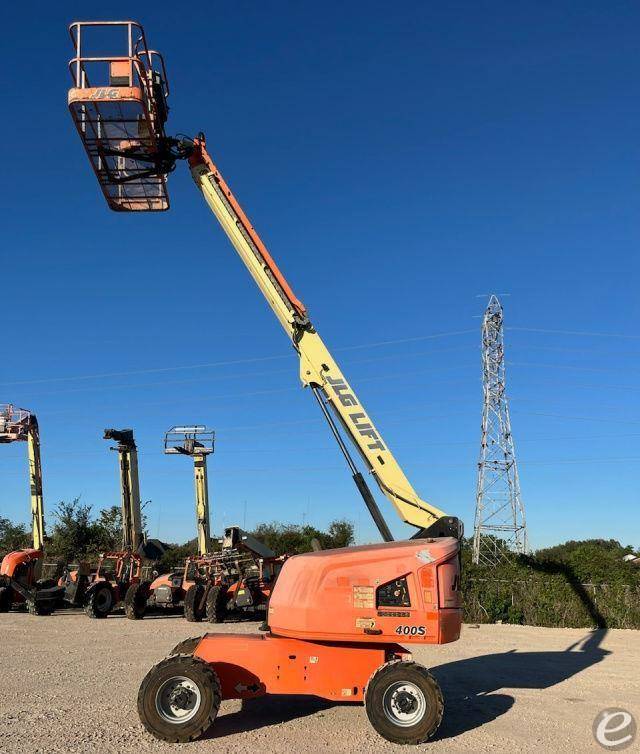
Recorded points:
5,599
135,601
193,608
404,702
217,604
99,602
179,699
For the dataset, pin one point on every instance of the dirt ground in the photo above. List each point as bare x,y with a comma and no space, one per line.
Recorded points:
69,684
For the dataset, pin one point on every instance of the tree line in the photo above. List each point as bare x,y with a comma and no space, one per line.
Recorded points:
574,584
76,534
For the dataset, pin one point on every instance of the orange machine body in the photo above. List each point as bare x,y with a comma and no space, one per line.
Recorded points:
406,590
21,567
12,562
252,665
335,617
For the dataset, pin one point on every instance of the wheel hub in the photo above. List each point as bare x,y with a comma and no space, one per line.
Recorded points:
181,697
178,699
404,704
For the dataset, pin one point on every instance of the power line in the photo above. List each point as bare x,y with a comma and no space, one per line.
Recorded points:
580,333
155,370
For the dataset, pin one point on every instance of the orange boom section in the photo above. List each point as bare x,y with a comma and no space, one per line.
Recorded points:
405,591
118,103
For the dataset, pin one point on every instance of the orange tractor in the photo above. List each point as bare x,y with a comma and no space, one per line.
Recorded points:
334,618
233,582
179,589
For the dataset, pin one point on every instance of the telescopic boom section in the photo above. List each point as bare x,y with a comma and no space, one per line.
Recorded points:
318,369
132,534
35,482
196,441
120,118
16,425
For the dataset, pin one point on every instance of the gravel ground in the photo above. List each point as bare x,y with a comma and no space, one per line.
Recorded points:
69,684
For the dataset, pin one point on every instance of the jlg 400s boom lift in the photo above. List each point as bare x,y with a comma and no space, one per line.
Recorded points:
334,617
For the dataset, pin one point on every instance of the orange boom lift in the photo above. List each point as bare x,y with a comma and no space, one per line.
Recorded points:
335,617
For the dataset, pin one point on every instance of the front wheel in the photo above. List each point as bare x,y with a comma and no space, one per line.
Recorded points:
217,604
404,702
179,699
193,608
135,601
99,602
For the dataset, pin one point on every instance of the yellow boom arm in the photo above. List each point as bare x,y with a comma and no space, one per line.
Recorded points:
132,534
35,484
318,369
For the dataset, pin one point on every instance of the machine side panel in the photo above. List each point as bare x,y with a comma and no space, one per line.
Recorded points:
274,665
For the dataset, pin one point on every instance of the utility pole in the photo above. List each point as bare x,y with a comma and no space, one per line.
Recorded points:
500,527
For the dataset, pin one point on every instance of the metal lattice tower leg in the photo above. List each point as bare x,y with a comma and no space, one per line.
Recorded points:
500,527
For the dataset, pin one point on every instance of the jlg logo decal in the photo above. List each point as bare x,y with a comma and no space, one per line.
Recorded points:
359,419
105,93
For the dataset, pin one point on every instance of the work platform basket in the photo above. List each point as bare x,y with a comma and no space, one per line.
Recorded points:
14,423
119,106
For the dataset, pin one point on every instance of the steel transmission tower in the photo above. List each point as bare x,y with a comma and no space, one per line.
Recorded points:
500,526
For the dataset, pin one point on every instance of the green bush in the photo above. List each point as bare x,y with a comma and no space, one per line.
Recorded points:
577,584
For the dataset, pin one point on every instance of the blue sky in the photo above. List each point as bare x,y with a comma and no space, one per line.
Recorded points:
398,161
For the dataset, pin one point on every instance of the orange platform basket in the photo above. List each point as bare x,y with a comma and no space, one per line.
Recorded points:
118,103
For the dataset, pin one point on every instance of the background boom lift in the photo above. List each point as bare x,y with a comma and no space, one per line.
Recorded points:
196,442
120,570
132,534
170,590
20,571
335,616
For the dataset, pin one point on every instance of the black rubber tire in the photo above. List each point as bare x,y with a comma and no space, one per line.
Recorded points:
97,605
192,600
135,601
5,599
217,604
408,672
198,672
186,647
40,608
